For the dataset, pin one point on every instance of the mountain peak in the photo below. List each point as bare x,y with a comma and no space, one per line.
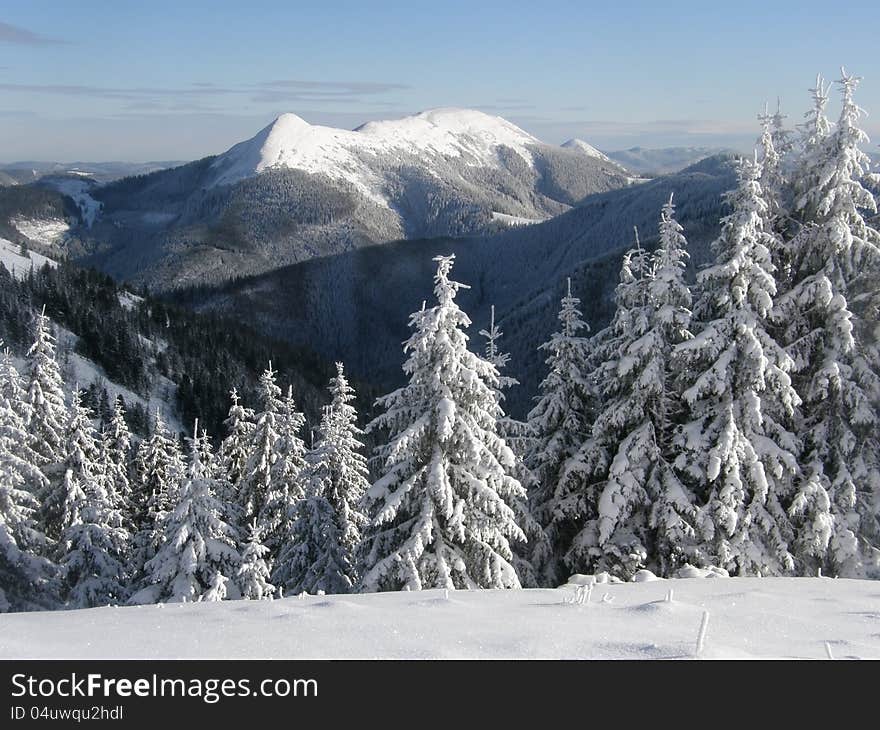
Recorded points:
586,148
448,133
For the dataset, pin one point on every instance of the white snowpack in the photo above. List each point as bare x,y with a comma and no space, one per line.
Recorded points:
49,231
587,149
83,372
129,300
19,265
748,618
449,133
514,220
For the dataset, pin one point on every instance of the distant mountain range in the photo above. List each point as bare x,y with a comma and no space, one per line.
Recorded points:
663,160
22,173
323,237
296,191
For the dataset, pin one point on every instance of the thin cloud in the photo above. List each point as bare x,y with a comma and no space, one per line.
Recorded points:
267,92
22,36
338,87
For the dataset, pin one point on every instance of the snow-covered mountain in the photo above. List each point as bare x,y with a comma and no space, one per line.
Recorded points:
296,190
364,156
586,148
28,171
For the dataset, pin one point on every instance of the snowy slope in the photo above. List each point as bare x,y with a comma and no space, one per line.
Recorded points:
80,191
17,264
586,148
748,617
48,231
82,372
439,134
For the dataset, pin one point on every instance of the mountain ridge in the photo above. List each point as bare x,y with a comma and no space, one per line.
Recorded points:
295,191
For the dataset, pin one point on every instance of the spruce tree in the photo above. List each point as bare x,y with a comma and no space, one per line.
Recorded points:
519,437
159,473
116,457
79,465
440,514
253,573
256,483
287,475
93,540
644,514
46,408
198,554
320,550
616,500
737,446
233,453
561,422
20,476
830,326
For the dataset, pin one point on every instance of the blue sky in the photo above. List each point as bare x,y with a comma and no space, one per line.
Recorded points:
99,80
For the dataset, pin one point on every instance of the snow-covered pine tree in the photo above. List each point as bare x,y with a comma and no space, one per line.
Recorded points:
319,552
257,478
644,514
198,554
812,154
518,436
27,581
674,506
253,573
441,513
561,422
20,476
287,478
516,433
783,138
775,189
621,449
737,449
831,327
116,459
233,453
93,541
79,465
12,386
159,473
46,408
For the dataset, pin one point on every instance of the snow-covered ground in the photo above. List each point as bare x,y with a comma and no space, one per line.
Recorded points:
748,617
129,300
514,220
83,372
49,231
17,264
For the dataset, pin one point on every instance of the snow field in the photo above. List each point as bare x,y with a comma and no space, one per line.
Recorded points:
19,265
748,618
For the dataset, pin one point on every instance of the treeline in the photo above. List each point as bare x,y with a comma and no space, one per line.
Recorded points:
137,340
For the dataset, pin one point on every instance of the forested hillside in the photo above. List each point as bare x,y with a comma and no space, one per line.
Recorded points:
140,343
354,306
